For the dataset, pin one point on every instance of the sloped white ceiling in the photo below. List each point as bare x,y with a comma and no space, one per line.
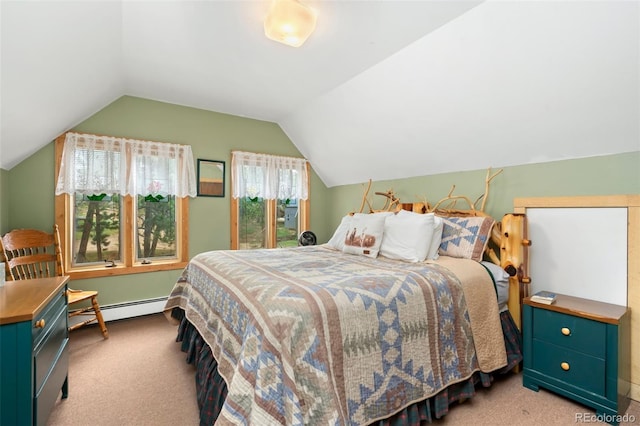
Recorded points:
507,83
61,63
382,89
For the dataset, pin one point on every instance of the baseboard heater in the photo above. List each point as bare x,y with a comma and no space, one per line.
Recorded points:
125,310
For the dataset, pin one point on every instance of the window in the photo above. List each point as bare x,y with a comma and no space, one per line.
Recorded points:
121,204
269,204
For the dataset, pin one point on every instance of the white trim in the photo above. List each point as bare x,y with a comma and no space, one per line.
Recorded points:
127,310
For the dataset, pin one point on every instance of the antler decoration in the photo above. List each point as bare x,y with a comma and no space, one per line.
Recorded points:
392,203
364,197
452,199
447,205
487,181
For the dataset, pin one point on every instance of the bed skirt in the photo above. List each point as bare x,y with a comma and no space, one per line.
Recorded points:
211,388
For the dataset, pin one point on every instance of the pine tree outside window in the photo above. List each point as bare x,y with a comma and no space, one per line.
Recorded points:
121,204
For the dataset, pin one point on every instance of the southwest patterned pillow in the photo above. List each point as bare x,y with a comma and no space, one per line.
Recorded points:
465,237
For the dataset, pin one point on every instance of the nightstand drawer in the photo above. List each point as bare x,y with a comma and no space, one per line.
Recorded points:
568,331
582,370
578,348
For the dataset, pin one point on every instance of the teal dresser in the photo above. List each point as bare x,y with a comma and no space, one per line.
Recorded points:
580,349
34,356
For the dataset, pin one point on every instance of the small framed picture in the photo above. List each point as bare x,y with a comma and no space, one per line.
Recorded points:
210,178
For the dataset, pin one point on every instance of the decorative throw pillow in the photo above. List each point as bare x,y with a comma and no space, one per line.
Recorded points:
364,234
340,234
407,236
465,237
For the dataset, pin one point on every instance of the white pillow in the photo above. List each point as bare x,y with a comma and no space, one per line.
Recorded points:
364,234
407,236
437,237
337,240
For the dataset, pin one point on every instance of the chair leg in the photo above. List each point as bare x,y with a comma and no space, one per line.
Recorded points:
96,308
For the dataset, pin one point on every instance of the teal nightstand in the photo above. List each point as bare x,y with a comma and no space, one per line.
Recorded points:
579,348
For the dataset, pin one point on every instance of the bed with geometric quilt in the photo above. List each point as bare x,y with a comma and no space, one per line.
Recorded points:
321,335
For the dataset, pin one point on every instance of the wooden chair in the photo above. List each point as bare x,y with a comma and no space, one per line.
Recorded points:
31,253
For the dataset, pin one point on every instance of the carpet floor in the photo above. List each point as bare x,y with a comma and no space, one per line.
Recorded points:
139,377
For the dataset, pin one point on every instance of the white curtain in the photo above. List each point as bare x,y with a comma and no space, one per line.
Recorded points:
94,164
269,177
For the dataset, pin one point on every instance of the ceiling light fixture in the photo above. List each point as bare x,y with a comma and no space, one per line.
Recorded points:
289,22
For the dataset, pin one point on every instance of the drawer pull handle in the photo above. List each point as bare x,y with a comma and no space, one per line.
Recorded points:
40,323
564,366
566,331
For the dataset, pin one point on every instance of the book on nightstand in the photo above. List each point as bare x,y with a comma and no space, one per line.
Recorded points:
545,297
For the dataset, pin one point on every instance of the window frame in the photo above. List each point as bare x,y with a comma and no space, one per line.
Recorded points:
271,213
64,218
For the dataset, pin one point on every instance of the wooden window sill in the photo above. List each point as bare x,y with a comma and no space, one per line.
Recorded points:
103,271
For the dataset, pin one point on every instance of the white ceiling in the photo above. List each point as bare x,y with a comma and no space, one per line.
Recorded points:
383,89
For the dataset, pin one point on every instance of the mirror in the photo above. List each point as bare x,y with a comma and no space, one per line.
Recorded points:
210,178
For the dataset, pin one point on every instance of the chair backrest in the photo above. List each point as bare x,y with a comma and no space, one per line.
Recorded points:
31,253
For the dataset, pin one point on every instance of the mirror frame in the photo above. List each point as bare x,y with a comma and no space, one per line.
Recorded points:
209,185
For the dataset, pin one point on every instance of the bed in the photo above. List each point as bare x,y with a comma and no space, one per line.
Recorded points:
325,335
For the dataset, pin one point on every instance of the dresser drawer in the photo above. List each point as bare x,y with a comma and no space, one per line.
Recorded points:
584,371
43,321
46,354
572,332
46,397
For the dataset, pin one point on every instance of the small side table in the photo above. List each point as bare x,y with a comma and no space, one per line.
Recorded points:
580,349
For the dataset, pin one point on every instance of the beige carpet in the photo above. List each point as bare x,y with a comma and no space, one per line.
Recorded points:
136,377
139,377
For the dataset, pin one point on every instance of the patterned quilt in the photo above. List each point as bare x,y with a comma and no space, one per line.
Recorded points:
309,335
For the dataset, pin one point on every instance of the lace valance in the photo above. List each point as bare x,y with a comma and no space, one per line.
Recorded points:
269,177
94,164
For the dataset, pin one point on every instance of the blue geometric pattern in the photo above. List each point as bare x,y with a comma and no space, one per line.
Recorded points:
465,237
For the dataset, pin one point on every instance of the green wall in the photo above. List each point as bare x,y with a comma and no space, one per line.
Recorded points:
607,175
211,135
30,191
4,206
29,200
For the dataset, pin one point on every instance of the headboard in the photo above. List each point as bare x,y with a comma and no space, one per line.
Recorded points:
508,236
509,239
